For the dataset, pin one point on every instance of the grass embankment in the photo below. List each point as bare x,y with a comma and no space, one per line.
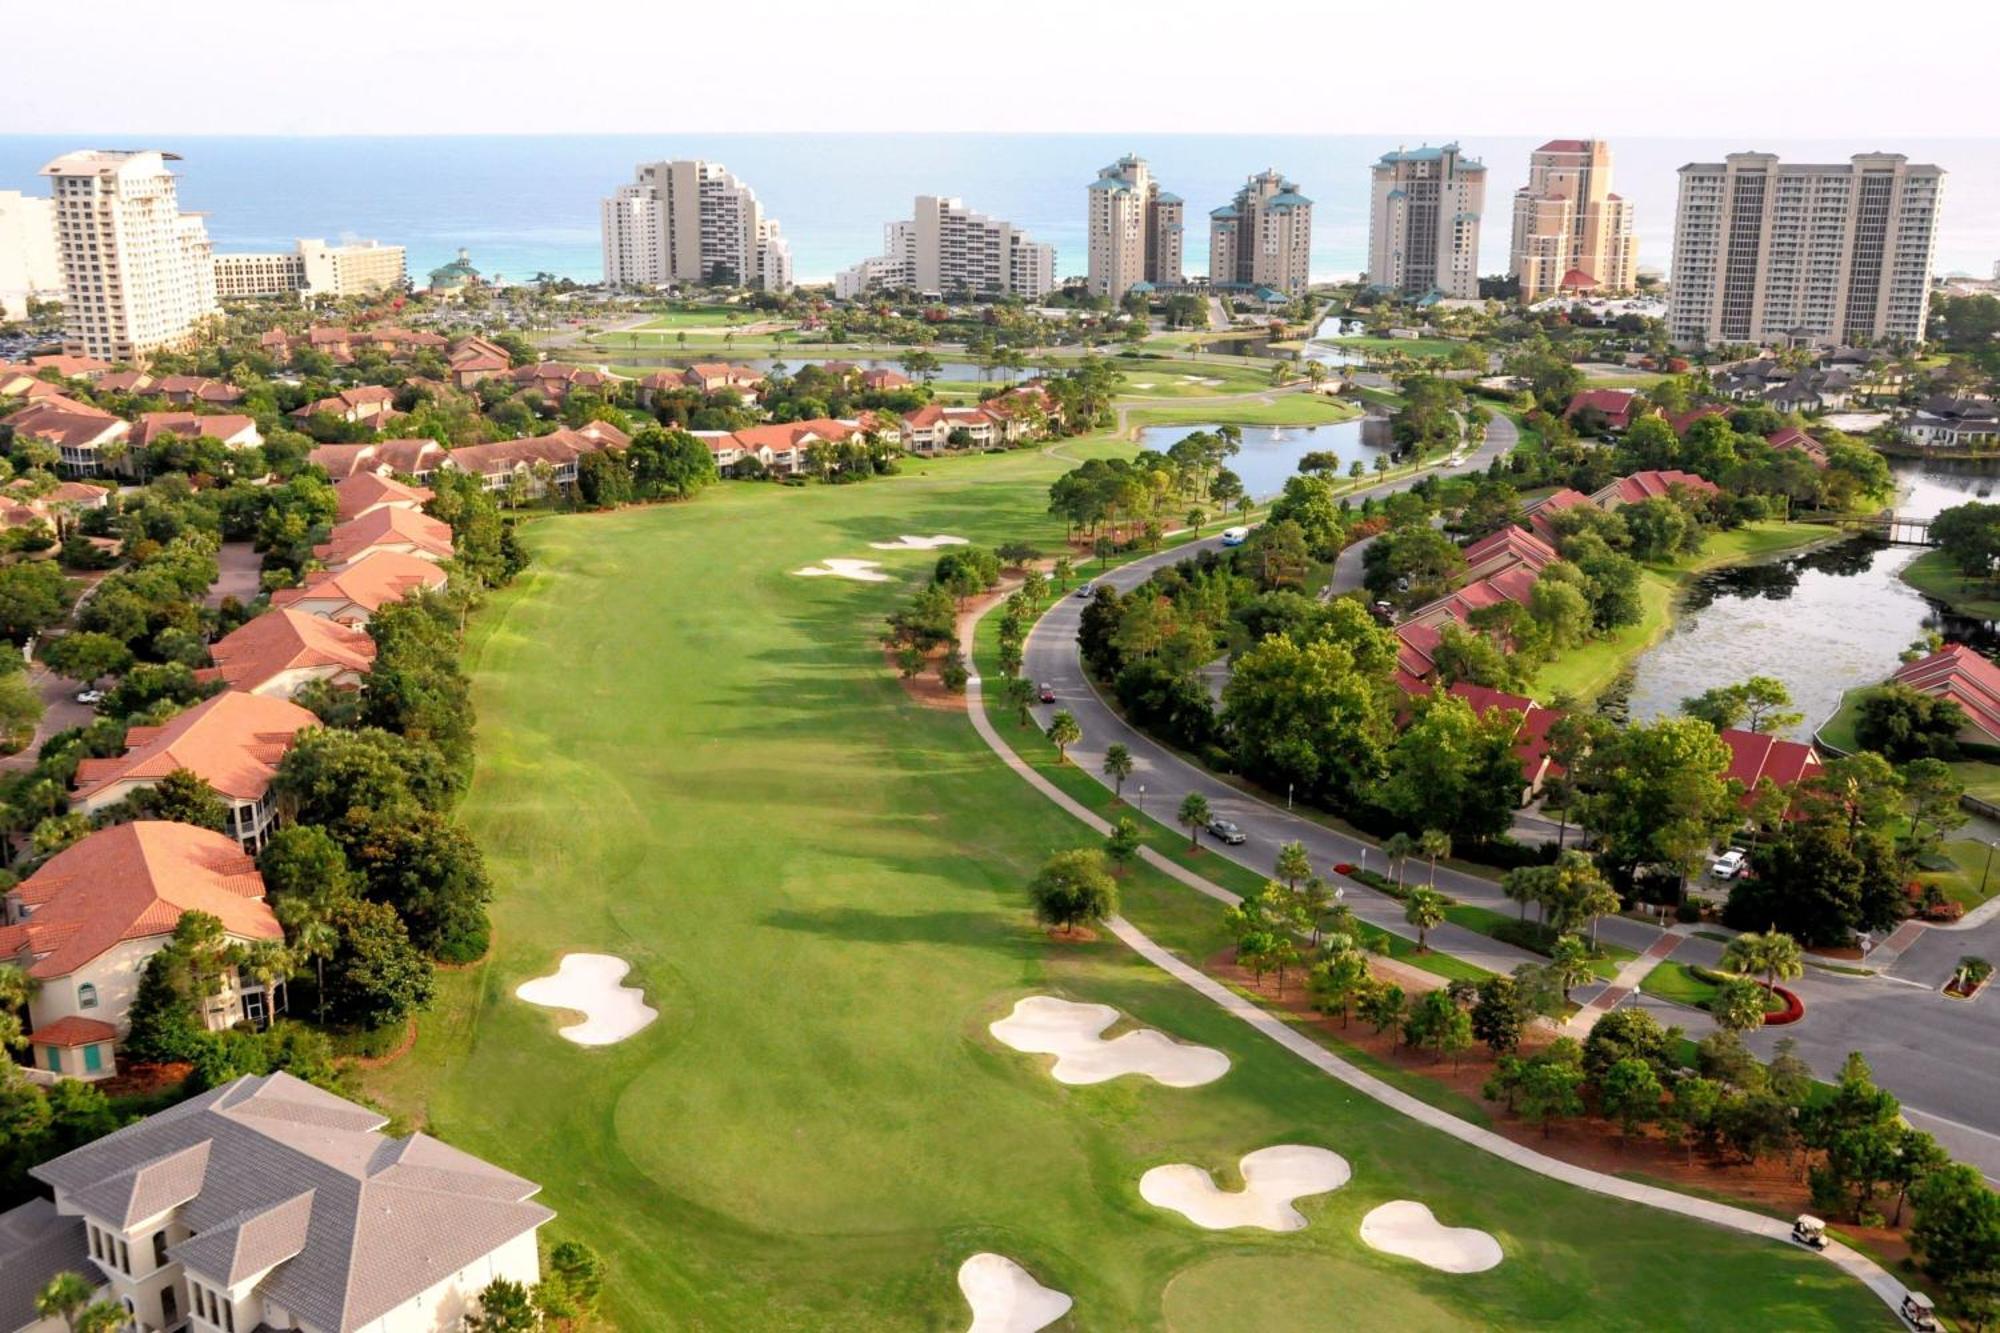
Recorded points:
1281,409
1586,672
694,760
1933,575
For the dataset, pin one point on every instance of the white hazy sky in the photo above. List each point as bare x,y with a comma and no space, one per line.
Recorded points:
1438,67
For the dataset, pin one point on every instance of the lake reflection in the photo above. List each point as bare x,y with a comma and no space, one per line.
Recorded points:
1271,454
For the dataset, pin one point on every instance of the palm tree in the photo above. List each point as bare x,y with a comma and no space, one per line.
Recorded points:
1065,732
1772,953
1195,518
63,1297
1194,814
314,937
1398,849
1294,864
1022,696
1434,843
1117,767
1315,896
1569,963
1425,911
103,1317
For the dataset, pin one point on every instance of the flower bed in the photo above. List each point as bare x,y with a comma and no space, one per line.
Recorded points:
1968,978
1793,1011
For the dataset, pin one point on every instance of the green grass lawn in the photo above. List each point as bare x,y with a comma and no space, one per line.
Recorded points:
708,317
1511,929
1417,347
1291,409
1673,981
692,759
1933,575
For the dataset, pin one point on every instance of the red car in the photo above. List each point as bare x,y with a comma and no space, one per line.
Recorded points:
1048,693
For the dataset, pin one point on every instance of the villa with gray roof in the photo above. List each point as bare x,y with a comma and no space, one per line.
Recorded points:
269,1204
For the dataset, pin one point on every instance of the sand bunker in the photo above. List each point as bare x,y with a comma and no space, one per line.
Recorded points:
1045,1025
861,571
1005,1298
1272,1178
908,543
589,984
1408,1228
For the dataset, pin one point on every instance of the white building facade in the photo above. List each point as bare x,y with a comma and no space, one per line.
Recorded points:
30,268
947,248
691,221
1424,213
313,268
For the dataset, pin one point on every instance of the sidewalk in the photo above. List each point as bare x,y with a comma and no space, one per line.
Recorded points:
1621,986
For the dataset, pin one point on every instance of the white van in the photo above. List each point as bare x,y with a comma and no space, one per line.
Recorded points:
1235,536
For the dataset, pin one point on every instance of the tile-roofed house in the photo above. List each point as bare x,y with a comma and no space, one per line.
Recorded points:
716,376
232,741
881,379
1416,654
1540,514
1791,438
1614,405
185,390
278,652
365,492
555,379
1513,584
1755,756
83,926
233,429
1531,735
21,382
1964,676
366,402
386,529
70,367
125,381
355,592
500,463
1682,422
77,431
36,1244
1505,548
270,1203
1649,485
474,359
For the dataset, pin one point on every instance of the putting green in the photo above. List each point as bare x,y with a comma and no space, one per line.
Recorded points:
693,760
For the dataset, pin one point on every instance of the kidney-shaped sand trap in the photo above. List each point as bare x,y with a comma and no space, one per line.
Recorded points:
1045,1025
1005,1298
908,543
1272,1178
861,571
588,983
1409,1229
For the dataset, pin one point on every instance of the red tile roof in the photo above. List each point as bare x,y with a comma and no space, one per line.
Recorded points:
1648,485
1541,513
1508,546
154,426
386,527
65,424
370,583
1962,675
366,490
284,640
1754,756
231,741
1791,437
73,1030
1681,421
1615,405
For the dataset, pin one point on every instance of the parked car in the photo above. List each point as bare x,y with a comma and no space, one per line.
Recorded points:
1047,693
1222,830
1732,864
90,696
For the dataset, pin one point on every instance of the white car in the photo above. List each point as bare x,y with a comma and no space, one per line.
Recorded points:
1235,536
90,696
1730,865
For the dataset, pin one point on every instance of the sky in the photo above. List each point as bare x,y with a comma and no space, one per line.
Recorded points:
1428,67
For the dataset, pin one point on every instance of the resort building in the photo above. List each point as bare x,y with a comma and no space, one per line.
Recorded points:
231,741
1572,235
366,402
1262,238
390,528
1774,252
83,926
417,458
282,651
1423,223
1966,678
30,267
691,221
79,433
948,249
1135,230
231,428
354,594
37,1244
138,274
268,1203
312,268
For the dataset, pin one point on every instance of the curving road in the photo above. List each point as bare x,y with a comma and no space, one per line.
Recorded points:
1935,1054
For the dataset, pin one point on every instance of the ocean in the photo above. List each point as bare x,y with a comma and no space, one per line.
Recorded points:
527,204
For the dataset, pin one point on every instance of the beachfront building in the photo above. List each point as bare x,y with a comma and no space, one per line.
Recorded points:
30,268
1571,233
138,274
945,247
1262,238
1423,223
1135,230
312,268
691,221
268,1203
1821,253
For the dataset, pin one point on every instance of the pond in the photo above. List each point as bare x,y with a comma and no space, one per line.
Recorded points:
1823,622
1271,454
1324,346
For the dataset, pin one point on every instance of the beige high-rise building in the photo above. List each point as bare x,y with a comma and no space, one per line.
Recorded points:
29,264
1570,231
1423,222
1262,238
692,221
1770,252
138,274
312,268
1135,230
947,248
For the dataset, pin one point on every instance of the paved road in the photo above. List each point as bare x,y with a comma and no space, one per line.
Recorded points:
1218,318
1936,1054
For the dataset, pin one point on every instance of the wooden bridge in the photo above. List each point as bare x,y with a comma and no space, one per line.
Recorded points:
1896,529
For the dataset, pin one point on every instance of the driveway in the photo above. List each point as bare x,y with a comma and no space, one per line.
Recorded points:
238,569
60,711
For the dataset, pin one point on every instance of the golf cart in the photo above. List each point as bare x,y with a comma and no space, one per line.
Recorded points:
1919,1313
1809,1231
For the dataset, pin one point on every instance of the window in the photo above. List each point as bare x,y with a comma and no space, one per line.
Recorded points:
160,1249
96,1243
124,1257
229,1317
86,996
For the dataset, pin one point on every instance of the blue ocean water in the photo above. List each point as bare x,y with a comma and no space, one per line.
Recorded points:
522,204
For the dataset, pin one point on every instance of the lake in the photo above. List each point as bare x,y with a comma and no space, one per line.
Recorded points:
1823,622
1271,454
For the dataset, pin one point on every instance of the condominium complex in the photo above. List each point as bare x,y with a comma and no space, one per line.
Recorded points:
947,248
1262,238
138,274
1135,230
1571,233
1423,223
1766,251
312,268
691,221
29,266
